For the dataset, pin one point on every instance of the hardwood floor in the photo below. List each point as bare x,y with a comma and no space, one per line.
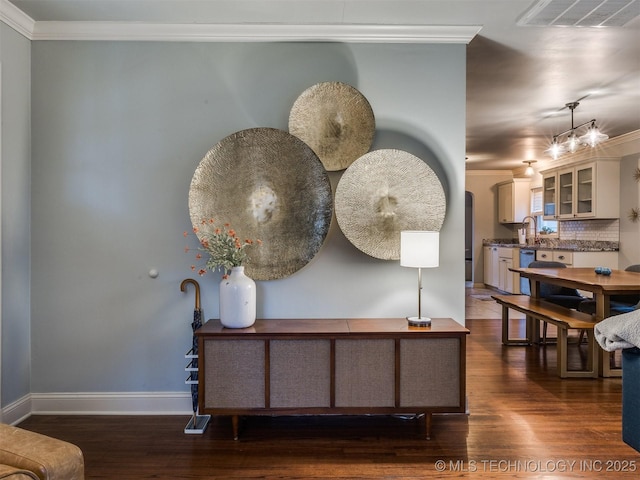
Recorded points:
523,422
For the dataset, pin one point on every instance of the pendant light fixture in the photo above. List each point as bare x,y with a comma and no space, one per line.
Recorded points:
529,170
573,142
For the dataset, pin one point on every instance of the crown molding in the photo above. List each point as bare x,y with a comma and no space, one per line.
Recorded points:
16,18
132,31
627,143
253,32
489,173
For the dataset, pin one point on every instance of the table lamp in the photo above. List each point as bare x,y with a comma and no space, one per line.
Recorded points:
419,249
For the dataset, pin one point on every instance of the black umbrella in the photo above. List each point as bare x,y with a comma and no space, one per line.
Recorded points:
192,366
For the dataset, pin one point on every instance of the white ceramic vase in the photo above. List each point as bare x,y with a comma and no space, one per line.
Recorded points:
237,300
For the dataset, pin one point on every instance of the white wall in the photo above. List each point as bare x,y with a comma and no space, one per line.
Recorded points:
15,208
482,185
629,198
118,130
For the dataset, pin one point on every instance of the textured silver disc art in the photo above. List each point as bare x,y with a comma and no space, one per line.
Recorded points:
268,185
336,121
384,192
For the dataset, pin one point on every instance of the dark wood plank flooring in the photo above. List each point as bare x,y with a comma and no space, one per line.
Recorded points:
524,422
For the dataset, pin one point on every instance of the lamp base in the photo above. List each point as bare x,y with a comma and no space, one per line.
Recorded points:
419,321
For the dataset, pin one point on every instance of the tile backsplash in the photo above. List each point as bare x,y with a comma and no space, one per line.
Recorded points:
579,235
590,230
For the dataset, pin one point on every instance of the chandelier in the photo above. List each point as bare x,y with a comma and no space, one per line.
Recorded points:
573,142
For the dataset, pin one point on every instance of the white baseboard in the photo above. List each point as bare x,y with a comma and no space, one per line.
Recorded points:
126,403
17,411
99,403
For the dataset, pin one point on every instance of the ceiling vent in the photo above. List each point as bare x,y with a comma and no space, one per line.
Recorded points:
580,13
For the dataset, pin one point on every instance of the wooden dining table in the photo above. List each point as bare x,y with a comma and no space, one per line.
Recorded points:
619,282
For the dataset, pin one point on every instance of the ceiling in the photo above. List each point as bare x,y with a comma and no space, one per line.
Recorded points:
519,78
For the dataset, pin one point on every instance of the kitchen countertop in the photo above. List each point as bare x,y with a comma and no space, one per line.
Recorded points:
555,244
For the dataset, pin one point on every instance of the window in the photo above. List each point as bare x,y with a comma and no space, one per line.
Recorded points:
547,227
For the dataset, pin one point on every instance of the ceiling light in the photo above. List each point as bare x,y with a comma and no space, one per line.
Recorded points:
529,171
593,135
573,142
556,149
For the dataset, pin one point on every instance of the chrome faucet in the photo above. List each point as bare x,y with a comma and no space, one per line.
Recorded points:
535,227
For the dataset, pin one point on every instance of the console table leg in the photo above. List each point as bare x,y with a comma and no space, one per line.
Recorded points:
234,423
428,419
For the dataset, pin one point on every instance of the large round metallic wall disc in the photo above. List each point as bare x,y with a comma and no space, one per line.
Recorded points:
383,193
268,185
336,121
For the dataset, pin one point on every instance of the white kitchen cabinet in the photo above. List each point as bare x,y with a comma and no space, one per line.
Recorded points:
513,200
562,256
582,190
508,281
497,262
505,282
544,255
549,200
565,193
491,272
595,259
579,259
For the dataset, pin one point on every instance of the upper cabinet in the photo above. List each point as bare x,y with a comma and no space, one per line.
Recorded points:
584,190
513,200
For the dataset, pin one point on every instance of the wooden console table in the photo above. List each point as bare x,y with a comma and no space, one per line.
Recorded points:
332,366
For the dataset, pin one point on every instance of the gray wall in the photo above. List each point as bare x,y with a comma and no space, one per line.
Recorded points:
118,130
15,204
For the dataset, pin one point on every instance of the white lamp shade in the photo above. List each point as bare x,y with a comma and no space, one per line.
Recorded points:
419,249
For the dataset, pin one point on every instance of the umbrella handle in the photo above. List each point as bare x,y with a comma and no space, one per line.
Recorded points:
183,287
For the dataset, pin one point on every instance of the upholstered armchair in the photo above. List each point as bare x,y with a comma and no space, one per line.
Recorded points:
29,455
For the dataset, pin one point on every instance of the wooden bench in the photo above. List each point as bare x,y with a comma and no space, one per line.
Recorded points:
563,318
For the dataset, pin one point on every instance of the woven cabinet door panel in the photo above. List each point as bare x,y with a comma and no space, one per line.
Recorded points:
365,373
234,374
300,372
430,372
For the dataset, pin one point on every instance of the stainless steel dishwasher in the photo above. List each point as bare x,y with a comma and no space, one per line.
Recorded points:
526,257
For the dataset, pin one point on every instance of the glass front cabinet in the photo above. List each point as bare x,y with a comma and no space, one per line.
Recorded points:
585,190
565,194
549,196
